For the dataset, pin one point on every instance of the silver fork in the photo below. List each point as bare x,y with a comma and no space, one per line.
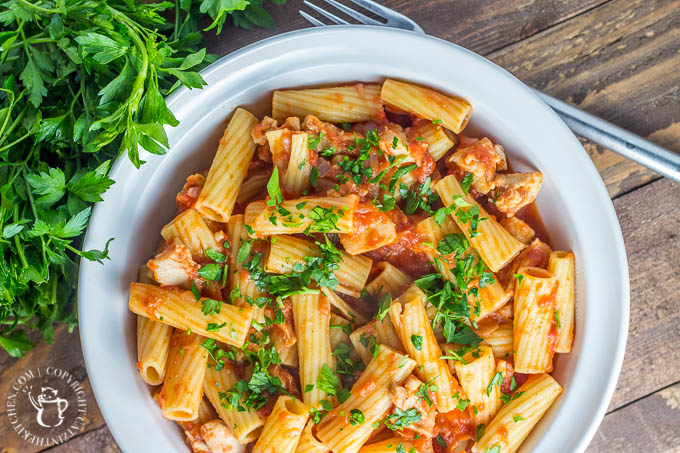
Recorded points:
619,140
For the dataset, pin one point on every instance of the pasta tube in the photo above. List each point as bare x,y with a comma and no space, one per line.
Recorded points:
287,251
282,431
181,310
347,427
311,214
190,228
561,266
247,425
350,104
153,344
228,169
183,387
493,243
308,441
418,340
389,280
452,112
534,329
312,315
514,421
296,179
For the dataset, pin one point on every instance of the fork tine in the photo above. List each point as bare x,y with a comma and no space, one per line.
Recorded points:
323,12
314,21
393,18
374,7
355,14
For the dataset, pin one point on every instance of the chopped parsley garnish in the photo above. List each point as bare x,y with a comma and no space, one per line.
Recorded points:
497,380
417,341
325,219
440,441
494,449
211,306
462,402
195,291
480,431
422,198
466,182
255,392
345,126
243,252
451,300
517,418
314,177
216,256
309,388
453,243
314,142
356,417
214,327
400,419
519,277
328,380
437,121
274,189
556,315
212,271
425,389
347,368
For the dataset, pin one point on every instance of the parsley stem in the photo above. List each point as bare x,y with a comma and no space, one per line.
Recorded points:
17,242
41,9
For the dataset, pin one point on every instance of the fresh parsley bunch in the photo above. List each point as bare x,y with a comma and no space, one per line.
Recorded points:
82,81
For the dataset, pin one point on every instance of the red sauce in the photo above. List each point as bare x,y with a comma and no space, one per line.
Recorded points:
404,252
455,426
532,217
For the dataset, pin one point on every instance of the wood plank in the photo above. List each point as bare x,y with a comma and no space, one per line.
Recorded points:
651,228
651,424
65,353
478,26
620,61
96,441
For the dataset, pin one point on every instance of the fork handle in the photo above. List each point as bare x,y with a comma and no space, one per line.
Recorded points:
619,140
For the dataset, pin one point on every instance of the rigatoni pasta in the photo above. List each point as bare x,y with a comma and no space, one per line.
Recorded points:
183,387
349,103
342,281
228,169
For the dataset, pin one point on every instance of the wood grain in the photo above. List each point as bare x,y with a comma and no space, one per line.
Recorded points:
98,440
650,425
478,26
64,353
620,61
651,229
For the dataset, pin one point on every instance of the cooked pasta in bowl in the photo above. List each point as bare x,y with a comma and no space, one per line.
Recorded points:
354,267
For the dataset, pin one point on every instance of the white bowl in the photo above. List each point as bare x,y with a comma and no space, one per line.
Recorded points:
574,204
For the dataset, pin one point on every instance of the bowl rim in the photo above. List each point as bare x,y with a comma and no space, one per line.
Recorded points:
591,173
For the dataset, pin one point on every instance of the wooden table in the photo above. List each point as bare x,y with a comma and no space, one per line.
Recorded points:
619,59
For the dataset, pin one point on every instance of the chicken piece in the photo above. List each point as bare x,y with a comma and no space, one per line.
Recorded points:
405,398
393,141
514,191
286,328
174,266
518,228
333,137
259,132
287,380
481,158
219,438
192,188
374,229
